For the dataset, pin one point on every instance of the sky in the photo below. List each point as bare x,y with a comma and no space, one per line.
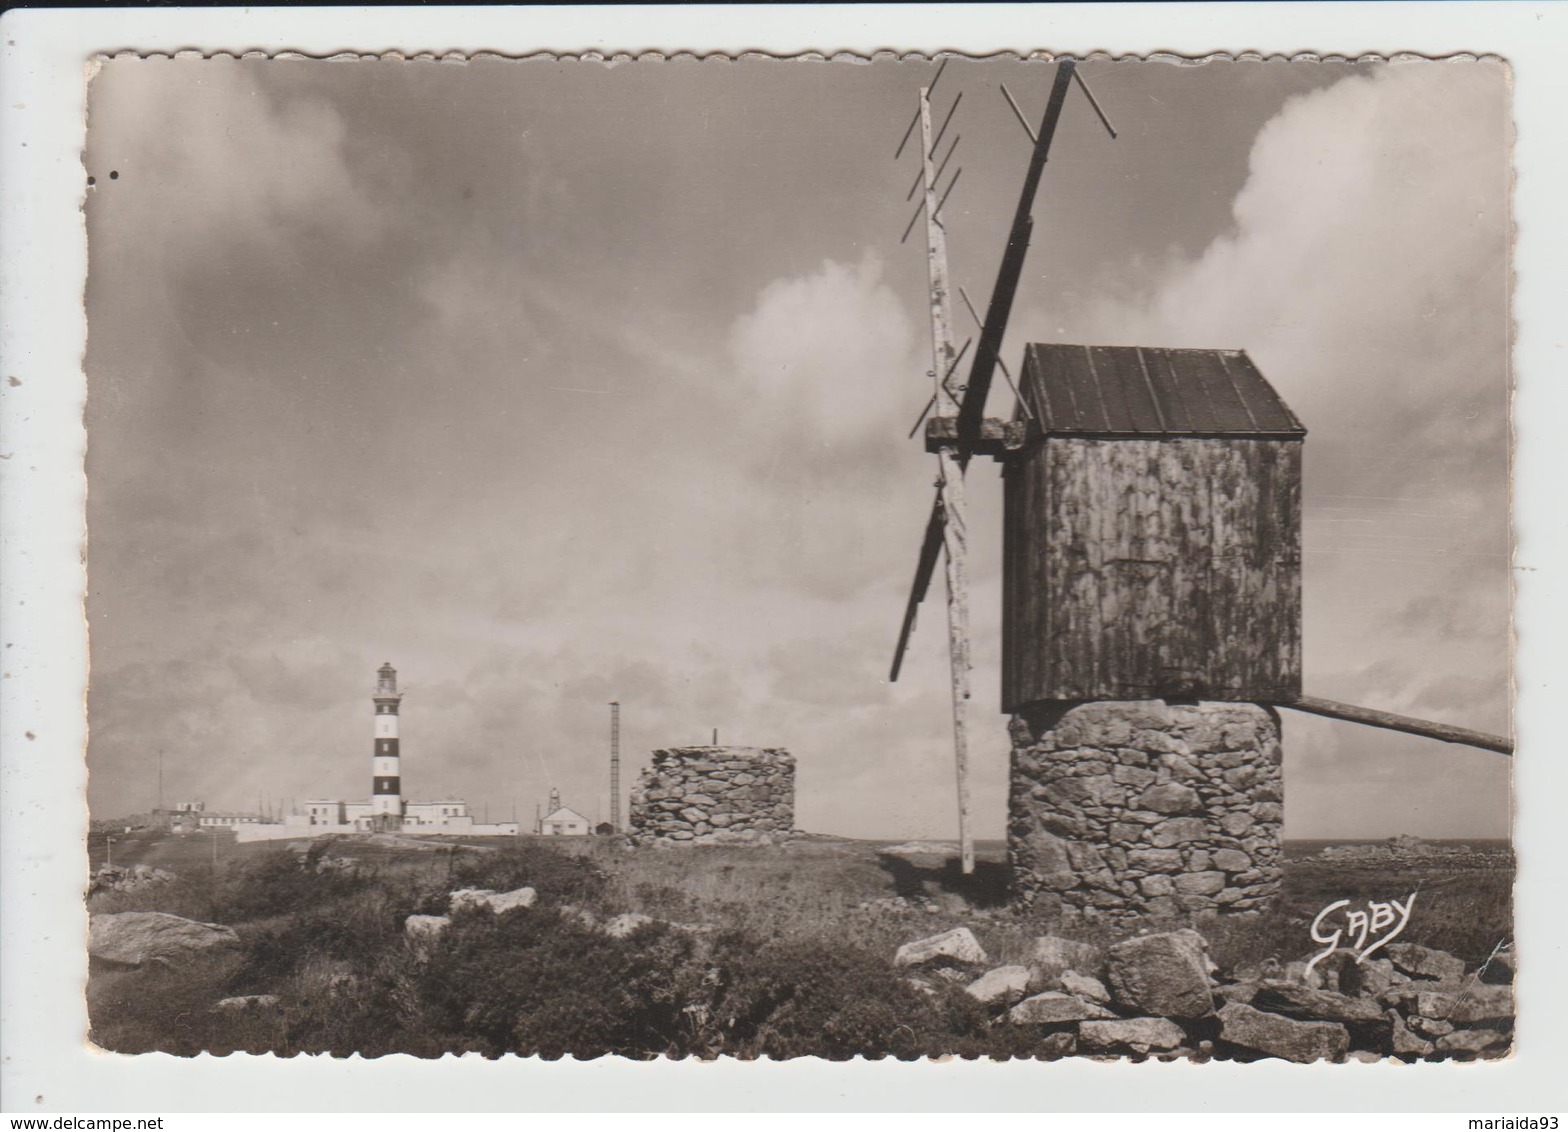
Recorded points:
557,382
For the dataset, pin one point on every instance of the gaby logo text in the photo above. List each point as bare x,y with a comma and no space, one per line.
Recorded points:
1362,930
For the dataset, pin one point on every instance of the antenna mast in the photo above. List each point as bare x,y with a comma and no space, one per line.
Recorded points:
615,765
955,432
950,471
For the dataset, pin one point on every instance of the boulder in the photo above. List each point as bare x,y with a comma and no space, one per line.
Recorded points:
619,927
1053,956
1406,996
1404,1042
1005,985
1499,968
134,938
1363,1018
1372,979
1483,1002
497,902
1298,972
1274,1036
247,1002
1425,962
1059,1044
1130,1035
1430,1027
958,946
1472,1041
1243,992
1297,1001
424,930
1165,974
1085,987
1475,1002
1054,1008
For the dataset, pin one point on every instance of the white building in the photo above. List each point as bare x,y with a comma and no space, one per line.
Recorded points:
226,820
449,816
563,821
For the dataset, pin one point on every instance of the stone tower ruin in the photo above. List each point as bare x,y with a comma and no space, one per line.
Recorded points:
704,794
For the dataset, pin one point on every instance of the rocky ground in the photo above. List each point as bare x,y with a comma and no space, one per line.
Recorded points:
1160,994
817,945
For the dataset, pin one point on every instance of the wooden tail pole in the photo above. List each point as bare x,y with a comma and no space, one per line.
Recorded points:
1391,722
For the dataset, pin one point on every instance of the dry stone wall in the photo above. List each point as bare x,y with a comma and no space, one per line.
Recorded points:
715,794
1126,810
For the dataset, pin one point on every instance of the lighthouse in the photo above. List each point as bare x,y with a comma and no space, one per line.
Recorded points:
386,796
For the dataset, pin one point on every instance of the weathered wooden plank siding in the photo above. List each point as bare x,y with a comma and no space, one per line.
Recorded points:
1137,568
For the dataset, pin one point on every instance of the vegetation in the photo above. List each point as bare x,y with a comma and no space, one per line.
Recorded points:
752,953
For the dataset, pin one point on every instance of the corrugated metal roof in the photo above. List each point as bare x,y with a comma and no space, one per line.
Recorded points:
1151,391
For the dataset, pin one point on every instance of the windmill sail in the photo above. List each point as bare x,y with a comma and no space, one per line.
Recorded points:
929,549
971,400
972,405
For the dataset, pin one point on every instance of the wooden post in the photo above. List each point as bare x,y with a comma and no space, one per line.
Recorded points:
1388,720
950,481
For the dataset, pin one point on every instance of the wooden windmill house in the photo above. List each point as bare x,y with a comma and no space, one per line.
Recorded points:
1152,538
1152,552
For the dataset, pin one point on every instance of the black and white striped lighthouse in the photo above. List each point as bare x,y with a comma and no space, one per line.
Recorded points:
386,796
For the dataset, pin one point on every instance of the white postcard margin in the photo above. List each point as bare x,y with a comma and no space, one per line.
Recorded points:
47,1066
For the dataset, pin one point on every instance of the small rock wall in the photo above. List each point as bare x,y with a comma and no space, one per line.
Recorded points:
715,794
1133,809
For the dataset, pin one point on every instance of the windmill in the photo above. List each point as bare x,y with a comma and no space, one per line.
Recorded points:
958,423
1152,523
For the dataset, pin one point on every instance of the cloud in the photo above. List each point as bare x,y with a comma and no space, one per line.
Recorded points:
827,356
224,155
1366,273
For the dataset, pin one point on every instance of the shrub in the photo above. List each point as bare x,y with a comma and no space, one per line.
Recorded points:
534,981
794,999
277,882
558,877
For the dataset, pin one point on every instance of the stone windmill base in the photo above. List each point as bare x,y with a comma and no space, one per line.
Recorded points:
1132,810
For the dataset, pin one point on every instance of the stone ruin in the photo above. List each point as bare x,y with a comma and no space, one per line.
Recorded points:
715,794
1127,810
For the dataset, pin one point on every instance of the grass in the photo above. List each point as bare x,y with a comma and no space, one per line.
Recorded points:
795,959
